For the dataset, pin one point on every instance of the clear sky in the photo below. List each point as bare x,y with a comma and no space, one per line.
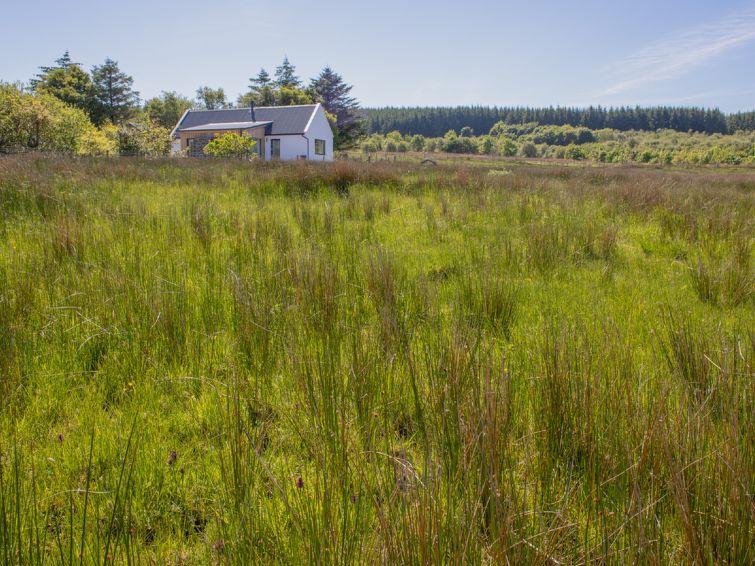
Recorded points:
402,53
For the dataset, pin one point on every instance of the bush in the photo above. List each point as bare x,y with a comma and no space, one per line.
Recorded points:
147,140
41,122
528,149
231,145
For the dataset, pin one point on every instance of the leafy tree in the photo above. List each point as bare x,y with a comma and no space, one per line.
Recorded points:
289,96
147,140
335,95
68,82
417,143
211,98
486,145
231,145
167,108
114,99
41,122
285,75
466,132
99,141
506,146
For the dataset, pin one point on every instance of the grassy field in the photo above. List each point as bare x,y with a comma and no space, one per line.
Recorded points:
217,362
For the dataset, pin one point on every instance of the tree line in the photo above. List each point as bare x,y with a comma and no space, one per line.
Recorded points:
532,140
436,121
103,103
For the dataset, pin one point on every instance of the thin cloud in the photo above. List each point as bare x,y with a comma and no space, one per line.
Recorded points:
682,52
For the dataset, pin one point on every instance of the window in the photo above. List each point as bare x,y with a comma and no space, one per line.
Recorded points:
319,147
275,149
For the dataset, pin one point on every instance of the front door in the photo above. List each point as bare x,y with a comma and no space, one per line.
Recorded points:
275,149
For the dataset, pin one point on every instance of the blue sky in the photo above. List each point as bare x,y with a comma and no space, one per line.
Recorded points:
539,52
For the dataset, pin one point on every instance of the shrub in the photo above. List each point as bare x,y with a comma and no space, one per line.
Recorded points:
528,149
231,145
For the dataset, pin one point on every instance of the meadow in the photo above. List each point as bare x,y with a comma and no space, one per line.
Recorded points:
375,363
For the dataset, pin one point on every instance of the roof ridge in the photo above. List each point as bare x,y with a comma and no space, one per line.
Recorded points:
284,106
247,107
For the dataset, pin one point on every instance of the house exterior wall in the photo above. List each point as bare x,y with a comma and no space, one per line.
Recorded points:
319,128
292,147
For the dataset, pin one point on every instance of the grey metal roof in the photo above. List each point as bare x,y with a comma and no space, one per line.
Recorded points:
224,126
285,119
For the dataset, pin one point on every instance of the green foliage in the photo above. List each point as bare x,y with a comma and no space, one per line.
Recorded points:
114,99
285,76
166,109
211,98
528,149
605,146
434,121
333,93
42,122
231,145
148,139
68,82
261,91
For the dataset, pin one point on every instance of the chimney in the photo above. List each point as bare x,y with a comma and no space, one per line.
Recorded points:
251,110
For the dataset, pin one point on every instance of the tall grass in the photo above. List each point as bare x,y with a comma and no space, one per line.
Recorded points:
215,362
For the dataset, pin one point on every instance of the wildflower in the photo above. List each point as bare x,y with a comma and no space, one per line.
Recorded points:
60,437
300,482
172,458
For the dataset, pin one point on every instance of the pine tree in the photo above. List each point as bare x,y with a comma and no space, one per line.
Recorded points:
261,91
66,81
114,99
285,75
261,80
335,96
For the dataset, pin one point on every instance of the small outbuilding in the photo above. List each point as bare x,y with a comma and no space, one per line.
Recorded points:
281,132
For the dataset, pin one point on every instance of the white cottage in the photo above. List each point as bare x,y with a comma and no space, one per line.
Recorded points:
281,132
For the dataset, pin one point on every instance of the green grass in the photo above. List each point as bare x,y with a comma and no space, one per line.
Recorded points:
217,362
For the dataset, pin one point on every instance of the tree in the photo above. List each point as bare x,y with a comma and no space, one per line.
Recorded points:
149,140
211,98
261,91
335,95
285,75
167,108
43,122
68,82
114,99
230,145
289,96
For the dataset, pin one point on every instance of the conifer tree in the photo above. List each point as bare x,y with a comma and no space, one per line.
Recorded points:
66,81
285,75
334,94
114,99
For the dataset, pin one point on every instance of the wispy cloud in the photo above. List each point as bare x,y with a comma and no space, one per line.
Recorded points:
682,52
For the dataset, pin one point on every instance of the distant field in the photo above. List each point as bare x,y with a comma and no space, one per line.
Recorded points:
361,363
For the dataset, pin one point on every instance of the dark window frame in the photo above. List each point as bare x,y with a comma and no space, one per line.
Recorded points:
272,151
318,142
